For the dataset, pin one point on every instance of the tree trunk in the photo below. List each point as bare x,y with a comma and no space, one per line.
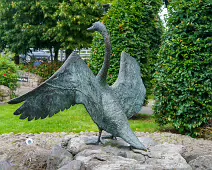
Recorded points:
51,54
68,52
16,59
56,51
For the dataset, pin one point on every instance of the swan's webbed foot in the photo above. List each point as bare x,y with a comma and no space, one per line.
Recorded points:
94,143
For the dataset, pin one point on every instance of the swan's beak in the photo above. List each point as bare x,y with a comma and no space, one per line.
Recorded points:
91,28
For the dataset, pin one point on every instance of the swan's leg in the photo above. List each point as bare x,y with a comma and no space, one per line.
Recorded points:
99,137
98,141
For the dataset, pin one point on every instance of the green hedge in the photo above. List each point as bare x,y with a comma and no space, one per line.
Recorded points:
135,28
184,72
8,72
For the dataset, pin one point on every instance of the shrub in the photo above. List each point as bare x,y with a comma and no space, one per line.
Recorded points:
8,72
45,70
135,28
183,74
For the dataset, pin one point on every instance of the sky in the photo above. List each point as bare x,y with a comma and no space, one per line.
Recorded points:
163,13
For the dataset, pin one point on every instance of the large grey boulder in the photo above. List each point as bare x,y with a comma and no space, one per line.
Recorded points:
5,93
58,158
78,144
35,157
30,79
106,161
108,152
202,162
5,165
73,165
168,156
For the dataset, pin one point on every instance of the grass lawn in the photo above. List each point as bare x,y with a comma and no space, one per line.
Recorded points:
75,120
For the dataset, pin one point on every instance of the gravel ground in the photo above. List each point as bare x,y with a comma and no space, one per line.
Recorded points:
13,147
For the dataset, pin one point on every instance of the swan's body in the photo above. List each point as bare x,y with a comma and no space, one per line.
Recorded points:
74,83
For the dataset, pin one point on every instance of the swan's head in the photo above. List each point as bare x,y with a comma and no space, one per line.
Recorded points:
98,26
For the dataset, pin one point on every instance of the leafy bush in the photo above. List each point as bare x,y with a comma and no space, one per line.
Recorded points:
183,74
135,28
45,70
8,72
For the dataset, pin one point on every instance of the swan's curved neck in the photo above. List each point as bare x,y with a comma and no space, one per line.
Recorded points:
102,75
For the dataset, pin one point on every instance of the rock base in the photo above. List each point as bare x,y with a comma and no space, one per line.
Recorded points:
70,151
75,154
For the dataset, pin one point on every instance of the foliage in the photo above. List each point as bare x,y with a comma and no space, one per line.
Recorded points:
106,1
75,120
8,72
20,25
135,28
45,70
46,24
74,17
183,73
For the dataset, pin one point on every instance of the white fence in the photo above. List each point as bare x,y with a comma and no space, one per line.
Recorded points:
84,54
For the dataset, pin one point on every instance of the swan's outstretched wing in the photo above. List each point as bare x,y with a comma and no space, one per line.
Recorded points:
73,83
129,87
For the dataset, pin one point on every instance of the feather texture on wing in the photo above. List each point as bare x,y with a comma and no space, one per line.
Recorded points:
129,88
74,83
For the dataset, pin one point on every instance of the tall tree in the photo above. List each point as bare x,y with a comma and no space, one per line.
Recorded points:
73,19
46,24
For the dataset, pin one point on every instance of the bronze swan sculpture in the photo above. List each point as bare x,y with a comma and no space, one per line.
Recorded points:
74,83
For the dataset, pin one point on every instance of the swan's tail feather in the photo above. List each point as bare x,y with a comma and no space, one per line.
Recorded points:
128,135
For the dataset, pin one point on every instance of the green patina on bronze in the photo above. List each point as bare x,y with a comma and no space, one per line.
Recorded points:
110,107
